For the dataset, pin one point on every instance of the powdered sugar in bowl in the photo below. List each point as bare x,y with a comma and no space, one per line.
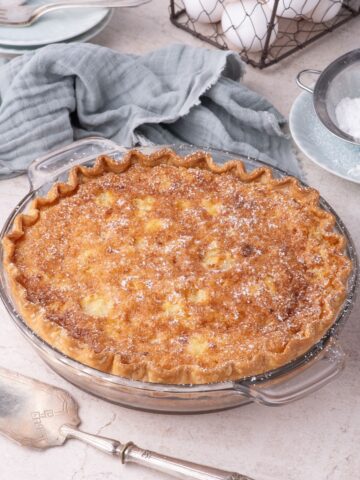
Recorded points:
336,96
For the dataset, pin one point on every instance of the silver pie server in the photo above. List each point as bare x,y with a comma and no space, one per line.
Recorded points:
38,415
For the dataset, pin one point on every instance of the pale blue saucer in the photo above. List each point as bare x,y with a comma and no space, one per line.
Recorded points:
320,145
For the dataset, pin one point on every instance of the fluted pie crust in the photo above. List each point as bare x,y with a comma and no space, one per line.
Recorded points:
177,270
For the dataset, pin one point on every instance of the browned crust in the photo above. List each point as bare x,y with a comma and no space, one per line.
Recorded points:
58,336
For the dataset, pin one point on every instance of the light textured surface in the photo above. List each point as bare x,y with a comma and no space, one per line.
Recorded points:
316,438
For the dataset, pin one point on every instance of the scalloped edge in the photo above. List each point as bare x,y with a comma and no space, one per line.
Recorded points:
57,337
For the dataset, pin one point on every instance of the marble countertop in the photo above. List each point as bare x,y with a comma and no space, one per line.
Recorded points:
315,438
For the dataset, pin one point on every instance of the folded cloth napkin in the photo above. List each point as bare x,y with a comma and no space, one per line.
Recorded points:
178,94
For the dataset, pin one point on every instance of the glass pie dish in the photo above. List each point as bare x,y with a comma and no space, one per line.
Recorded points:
307,373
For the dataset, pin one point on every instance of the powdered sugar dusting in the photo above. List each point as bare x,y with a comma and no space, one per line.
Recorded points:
181,266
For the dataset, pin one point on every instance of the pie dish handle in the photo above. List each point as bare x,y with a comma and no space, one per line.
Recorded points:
296,385
48,167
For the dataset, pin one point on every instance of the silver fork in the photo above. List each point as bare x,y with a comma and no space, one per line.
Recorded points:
26,15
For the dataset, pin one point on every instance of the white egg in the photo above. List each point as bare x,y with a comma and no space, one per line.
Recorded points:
204,11
324,11
292,8
245,25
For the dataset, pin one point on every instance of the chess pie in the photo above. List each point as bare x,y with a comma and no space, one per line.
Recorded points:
177,270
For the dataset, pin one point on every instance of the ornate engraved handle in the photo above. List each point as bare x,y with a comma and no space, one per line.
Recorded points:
174,466
130,453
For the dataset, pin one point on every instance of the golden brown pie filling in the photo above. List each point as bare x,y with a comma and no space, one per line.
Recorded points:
174,270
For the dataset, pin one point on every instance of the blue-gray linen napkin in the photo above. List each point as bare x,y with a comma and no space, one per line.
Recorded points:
178,94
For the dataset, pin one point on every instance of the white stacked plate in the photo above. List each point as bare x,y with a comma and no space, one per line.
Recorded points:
68,25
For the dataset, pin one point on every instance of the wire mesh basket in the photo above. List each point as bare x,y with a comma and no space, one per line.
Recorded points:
263,31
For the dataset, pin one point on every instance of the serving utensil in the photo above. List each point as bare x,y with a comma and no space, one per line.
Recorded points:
39,415
26,15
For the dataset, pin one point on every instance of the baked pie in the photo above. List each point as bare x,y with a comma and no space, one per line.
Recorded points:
177,270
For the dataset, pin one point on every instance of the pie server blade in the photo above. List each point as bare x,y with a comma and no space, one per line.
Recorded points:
38,415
